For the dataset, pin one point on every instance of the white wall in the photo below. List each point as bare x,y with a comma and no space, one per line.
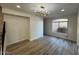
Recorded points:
78,29
17,28
17,22
72,28
14,12
36,27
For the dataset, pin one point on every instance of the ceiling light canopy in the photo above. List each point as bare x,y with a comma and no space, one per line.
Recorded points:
62,9
18,6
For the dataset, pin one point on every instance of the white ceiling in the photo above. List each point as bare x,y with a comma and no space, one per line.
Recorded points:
52,8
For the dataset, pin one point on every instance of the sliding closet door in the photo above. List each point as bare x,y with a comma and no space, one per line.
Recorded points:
17,29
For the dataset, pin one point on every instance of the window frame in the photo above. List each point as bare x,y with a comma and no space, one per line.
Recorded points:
59,25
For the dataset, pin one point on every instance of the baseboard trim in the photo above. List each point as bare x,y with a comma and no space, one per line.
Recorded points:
16,43
35,38
61,38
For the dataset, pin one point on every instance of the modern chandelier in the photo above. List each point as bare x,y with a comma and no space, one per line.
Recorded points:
42,11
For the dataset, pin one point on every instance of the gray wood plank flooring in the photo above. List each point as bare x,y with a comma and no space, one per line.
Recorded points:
46,45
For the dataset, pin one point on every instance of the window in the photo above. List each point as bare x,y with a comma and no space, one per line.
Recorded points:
60,25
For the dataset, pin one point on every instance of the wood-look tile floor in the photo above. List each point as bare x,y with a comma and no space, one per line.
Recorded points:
46,45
